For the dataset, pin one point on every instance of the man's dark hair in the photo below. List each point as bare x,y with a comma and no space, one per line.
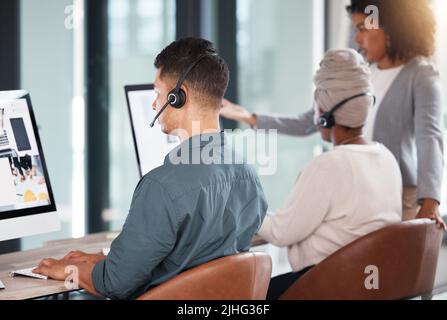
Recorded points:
410,24
209,78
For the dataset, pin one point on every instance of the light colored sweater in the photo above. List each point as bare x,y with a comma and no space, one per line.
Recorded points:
339,197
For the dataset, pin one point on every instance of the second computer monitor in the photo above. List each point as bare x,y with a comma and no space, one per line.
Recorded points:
151,144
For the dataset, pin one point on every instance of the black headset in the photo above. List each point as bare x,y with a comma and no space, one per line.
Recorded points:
177,97
327,119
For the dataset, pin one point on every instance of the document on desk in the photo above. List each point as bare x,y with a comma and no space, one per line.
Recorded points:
2,286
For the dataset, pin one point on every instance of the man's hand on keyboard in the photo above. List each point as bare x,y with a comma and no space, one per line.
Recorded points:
53,268
56,269
79,256
61,269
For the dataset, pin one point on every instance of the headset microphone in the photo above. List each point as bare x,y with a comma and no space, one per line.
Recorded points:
159,114
171,101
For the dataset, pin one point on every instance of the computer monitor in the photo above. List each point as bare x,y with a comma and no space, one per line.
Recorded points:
151,144
27,204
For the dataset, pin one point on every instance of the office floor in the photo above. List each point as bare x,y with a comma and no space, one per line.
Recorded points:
442,296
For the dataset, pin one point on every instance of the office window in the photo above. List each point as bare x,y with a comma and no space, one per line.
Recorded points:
279,48
278,52
139,26
47,72
118,37
138,30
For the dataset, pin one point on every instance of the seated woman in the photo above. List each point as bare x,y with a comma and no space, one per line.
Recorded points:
345,193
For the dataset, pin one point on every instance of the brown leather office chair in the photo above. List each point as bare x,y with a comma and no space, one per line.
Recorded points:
406,255
244,276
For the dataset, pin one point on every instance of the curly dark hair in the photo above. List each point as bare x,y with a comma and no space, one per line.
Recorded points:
410,24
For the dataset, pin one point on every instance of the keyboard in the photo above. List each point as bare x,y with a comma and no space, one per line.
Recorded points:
27,273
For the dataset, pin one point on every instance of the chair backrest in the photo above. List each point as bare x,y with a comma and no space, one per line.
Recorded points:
400,259
244,276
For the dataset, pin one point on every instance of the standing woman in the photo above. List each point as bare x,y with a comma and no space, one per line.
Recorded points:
407,118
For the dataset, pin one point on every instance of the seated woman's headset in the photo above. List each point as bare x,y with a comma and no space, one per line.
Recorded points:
327,119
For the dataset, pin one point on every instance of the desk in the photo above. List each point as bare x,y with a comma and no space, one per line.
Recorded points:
20,288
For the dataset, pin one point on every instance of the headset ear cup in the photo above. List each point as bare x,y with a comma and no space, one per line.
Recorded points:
182,98
177,99
326,121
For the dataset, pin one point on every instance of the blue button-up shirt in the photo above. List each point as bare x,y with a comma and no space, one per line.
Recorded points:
183,214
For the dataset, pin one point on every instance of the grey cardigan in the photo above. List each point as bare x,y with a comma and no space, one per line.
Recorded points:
409,123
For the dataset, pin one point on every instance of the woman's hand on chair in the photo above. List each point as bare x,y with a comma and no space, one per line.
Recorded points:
430,210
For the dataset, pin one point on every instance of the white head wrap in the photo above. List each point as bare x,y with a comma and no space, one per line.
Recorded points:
343,74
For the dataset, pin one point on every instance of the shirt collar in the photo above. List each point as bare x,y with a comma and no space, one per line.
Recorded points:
210,140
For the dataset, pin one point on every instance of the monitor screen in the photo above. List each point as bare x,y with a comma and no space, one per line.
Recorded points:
151,144
24,182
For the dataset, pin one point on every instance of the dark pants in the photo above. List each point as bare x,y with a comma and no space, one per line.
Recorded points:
280,284
17,165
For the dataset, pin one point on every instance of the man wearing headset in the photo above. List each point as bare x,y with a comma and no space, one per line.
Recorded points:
345,193
190,210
